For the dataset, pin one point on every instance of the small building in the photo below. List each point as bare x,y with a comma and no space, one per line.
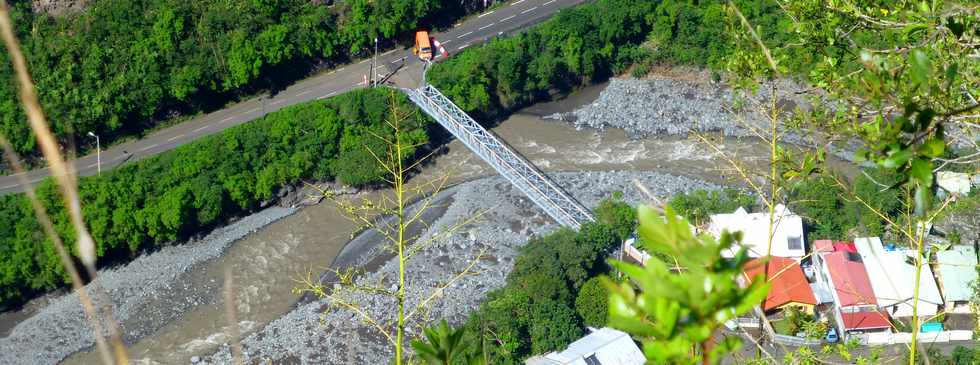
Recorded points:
956,272
789,286
604,346
787,237
892,274
842,272
865,322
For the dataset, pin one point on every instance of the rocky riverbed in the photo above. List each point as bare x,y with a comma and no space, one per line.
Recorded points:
145,294
674,106
317,332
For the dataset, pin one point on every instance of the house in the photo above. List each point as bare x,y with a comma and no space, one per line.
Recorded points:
892,274
604,346
789,285
787,238
842,272
956,271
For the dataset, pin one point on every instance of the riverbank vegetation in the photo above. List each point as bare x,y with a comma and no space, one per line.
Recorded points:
592,42
182,192
550,295
119,67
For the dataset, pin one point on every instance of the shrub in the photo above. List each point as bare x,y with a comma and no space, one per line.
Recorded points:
592,303
697,206
617,215
820,201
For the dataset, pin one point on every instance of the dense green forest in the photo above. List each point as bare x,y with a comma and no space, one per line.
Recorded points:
551,294
592,42
198,185
121,66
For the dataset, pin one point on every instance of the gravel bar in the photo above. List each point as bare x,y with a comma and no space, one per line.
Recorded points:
317,332
145,294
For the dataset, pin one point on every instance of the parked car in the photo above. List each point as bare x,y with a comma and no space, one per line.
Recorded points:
832,336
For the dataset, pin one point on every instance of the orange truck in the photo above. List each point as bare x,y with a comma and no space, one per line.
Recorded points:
422,47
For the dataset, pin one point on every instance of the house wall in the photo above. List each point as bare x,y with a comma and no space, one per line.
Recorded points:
805,308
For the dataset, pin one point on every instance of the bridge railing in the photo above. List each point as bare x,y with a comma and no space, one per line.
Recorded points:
544,192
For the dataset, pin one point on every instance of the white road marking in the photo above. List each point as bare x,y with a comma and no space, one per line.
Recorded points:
327,95
92,165
225,120
387,53
251,110
518,2
461,47
148,147
341,69
274,102
464,34
199,129
529,10
365,60
549,2
305,92
486,26
8,186
174,137
507,18
446,42
485,14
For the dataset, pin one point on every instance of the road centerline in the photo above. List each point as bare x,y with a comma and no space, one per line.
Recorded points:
486,26
507,18
148,147
529,10
174,137
464,34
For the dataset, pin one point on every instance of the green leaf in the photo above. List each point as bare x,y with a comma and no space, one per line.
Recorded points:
896,159
921,68
921,172
933,147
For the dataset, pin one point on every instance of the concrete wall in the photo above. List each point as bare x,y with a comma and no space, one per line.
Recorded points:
885,338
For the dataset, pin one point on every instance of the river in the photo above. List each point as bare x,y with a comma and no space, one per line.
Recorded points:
267,263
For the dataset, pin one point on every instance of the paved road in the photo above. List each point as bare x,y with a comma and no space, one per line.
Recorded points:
512,16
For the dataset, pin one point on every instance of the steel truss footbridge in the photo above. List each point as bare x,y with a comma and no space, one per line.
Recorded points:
511,165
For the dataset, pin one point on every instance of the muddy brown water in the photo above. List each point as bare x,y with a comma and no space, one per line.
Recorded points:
267,264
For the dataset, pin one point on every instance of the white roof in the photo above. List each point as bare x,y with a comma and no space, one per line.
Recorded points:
606,346
957,271
893,277
787,238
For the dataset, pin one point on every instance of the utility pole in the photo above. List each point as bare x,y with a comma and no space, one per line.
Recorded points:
374,64
98,153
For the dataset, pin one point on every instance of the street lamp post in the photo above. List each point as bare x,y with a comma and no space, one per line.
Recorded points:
98,153
374,64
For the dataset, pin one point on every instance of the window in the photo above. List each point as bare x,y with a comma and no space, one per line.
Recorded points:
795,243
592,360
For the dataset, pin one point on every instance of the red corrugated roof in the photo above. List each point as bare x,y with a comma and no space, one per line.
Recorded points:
833,246
850,279
865,320
788,283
